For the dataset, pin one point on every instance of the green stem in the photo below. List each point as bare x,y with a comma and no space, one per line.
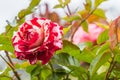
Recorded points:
67,75
12,67
88,77
7,54
76,28
82,77
50,63
69,11
38,76
8,24
112,64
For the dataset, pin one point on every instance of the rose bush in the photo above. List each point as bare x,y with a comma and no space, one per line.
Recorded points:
91,36
37,39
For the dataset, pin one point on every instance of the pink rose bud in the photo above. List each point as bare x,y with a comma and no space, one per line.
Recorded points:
91,36
37,39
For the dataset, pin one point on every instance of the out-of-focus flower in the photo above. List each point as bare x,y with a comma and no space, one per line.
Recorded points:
37,39
114,32
91,36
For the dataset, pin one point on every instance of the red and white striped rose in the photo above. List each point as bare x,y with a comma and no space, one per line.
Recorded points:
37,39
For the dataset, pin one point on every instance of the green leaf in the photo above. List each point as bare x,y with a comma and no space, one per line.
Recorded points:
88,5
55,76
5,78
11,30
30,68
62,58
66,29
103,48
98,2
84,45
43,73
6,44
116,52
58,6
118,58
70,48
103,37
65,59
85,26
72,18
103,56
105,26
99,77
23,13
8,27
34,3
67,2
98,61
60,1
8,48
5,40
36,71
77,70
20,21
87,56
5,74
28,10
99,12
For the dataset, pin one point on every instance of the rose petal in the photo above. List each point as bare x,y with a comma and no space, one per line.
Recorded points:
37,39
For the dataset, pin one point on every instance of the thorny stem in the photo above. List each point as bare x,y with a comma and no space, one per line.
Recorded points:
112,64
72,34
10,63
9,58
12,67
69,11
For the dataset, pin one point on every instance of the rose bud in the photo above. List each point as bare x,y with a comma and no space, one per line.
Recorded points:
37,39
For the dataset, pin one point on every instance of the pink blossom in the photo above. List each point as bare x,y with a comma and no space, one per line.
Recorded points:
37,39
91,36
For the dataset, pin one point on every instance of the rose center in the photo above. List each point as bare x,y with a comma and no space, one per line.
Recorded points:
34,37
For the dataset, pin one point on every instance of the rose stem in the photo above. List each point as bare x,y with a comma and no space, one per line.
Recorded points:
112,64
11,63
9,58
69,11
72,34
51,66
12,67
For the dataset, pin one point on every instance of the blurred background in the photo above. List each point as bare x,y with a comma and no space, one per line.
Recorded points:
10,8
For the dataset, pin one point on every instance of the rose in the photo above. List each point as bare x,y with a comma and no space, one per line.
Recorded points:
91,36
37,39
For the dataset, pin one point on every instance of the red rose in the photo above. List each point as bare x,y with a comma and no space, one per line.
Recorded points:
37,39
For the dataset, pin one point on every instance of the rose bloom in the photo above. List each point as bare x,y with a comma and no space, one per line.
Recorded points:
37,39
91,36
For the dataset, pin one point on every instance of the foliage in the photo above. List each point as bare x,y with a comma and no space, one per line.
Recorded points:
98,60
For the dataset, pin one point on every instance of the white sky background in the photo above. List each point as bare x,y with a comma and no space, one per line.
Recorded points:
10,8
